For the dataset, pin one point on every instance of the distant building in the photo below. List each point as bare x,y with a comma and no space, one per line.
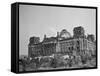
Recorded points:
63,43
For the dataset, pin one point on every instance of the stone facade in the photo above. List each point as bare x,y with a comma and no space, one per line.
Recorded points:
63,43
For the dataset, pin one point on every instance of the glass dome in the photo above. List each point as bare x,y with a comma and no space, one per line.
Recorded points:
65,34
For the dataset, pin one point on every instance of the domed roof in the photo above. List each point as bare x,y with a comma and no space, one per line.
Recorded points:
65,34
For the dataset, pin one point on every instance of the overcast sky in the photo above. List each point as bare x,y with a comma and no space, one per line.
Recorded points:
40,20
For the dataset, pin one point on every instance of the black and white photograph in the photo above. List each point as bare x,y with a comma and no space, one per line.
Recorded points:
55,38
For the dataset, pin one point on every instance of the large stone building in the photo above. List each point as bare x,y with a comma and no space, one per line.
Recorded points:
63,43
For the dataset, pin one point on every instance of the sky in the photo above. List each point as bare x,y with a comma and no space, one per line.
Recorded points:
39,20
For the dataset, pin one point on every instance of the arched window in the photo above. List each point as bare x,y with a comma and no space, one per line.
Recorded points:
69,48
78,42
72,48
